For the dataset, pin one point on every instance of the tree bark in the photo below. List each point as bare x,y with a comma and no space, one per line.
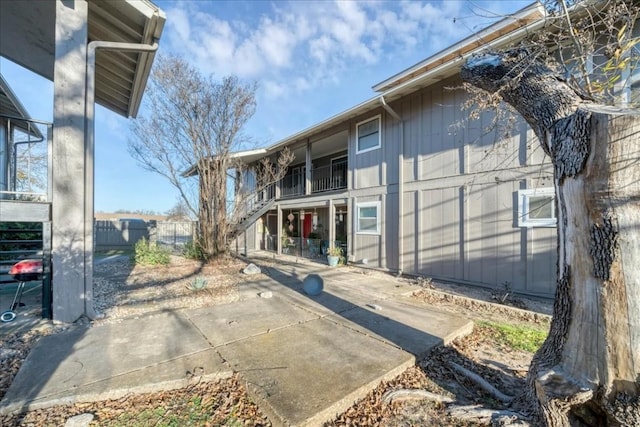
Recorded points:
588,370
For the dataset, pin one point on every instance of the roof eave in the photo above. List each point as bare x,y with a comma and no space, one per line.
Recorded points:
152,33
20,111
532,14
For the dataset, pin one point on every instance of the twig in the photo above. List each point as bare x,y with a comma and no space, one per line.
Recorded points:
488,416
482,383
416,394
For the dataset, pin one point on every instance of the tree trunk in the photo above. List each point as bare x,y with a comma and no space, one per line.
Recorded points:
206,211
588,370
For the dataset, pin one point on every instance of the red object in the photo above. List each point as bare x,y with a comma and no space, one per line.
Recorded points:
27,266
307,225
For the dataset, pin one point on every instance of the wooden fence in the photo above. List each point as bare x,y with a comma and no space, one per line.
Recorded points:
119,234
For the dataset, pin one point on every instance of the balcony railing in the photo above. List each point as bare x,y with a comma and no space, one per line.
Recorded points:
324,178
292,185
328,178
25,166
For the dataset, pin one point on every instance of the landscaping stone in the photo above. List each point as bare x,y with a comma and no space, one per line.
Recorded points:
82,420
251,269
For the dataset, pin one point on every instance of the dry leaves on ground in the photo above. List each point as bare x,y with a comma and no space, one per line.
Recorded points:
221,403
123,289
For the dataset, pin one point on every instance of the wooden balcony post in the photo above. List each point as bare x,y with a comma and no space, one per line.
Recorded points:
279,231
307,175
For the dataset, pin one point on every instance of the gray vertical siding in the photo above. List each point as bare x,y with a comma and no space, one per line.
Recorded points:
460,196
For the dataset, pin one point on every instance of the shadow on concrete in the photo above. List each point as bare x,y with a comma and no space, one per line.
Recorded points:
403,325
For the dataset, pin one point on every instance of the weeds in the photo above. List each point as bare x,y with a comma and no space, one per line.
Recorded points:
149,253
193,250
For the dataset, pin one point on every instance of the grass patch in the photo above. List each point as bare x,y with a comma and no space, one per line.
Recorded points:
518,337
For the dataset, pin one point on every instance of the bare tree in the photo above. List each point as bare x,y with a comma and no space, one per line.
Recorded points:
588,370
179,211
193,126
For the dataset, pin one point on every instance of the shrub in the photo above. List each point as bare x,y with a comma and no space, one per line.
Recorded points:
193,250
149,253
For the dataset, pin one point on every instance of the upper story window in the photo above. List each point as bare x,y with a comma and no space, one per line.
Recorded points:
368,135
537,207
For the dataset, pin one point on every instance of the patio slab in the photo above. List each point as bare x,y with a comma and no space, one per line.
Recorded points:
306,374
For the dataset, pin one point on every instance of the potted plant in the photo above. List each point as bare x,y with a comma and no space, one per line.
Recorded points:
333,256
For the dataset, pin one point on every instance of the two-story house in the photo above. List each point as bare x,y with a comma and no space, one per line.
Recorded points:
404,182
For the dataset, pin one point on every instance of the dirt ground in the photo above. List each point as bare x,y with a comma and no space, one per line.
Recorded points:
123,290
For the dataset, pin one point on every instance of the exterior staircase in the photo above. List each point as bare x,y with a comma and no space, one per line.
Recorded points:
257,210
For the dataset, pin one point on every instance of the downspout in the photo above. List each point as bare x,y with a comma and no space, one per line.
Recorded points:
89,136
396,116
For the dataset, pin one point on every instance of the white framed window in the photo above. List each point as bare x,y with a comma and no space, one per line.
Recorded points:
368,135
368,218
537,207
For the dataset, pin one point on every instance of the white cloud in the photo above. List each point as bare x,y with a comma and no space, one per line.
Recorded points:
292,47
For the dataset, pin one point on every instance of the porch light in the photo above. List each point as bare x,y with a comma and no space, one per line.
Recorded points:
340,214
315,217
302,214
291,217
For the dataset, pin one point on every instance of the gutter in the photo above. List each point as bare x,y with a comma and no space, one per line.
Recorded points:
89,137
396,116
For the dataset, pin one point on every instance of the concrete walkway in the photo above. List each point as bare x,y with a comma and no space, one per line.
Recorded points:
304,359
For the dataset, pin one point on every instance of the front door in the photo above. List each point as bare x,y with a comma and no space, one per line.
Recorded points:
307,226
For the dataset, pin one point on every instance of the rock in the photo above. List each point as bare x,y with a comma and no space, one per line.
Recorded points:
82,420
265,294
251,269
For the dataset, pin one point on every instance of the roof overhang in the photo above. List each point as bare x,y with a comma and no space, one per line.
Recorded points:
27,37
247,156
442,65
12,108
510,29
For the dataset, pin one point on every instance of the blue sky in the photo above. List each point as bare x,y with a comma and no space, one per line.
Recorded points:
311,59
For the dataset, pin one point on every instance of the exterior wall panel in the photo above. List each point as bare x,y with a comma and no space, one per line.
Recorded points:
440,254
411,233
459,195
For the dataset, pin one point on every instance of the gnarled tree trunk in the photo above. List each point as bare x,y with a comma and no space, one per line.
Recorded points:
588,370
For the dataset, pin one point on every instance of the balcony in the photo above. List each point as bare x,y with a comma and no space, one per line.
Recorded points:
324,178
25,169
25,161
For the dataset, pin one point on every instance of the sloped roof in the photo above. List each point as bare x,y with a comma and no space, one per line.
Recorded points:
433,69
11,107
27,37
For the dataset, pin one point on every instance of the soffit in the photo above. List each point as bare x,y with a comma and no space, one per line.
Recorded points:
27,37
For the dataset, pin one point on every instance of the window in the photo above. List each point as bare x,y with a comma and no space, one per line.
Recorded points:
368,135
537,207
368,218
